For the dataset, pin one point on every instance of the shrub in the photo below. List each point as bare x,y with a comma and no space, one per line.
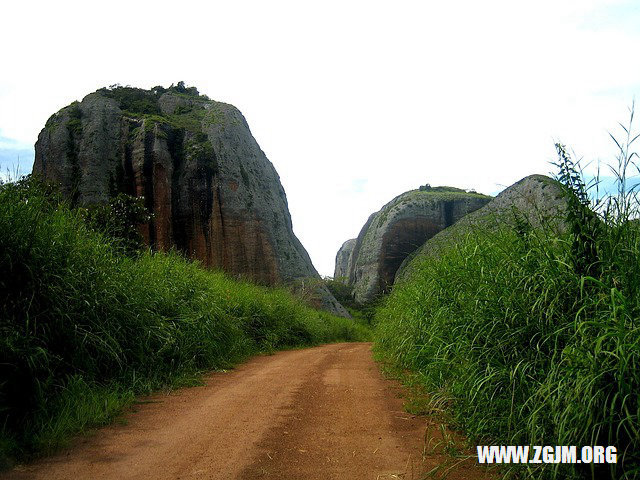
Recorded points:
119,220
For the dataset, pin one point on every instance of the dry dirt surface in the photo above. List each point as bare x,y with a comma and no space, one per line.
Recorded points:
319,413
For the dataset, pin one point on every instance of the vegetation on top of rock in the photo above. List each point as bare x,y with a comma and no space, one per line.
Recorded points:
133,100
145,104
436,194
428,188
140,101
443,191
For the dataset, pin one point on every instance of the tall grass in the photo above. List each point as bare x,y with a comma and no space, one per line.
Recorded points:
83,327
533,337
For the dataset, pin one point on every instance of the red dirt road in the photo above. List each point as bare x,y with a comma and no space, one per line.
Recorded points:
319,413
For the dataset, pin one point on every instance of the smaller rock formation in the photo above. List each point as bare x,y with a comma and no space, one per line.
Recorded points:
537,199
343,259
397,230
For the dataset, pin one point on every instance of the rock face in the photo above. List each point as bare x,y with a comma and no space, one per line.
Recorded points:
397,230
343,259
536,198
214,194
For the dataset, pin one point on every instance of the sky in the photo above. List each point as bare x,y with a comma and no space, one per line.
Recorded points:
354,102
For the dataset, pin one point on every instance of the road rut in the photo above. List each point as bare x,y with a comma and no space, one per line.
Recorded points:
318,413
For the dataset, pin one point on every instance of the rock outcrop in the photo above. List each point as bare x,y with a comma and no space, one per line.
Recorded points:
536,199
343,259
214,194
398,229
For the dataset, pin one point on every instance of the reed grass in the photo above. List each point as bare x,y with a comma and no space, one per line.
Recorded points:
531,337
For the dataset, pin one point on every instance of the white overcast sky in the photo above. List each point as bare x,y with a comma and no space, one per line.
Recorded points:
354,102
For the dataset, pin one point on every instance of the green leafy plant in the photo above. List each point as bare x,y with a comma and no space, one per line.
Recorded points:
120,220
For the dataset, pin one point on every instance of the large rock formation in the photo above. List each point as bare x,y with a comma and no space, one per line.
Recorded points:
536,199
397,230
214,194
343,259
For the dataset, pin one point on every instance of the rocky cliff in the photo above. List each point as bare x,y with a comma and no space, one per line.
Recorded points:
537,199
343,259
397,230
214,194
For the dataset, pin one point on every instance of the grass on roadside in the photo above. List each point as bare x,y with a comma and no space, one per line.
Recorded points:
530,337
84,328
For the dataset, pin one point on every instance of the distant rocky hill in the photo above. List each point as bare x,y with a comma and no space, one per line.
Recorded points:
214,194
369,263
537,199
344,258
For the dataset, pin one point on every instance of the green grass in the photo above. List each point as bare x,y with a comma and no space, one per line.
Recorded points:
85,328
529,337
440,194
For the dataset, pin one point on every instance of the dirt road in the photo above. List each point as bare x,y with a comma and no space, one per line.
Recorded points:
319,413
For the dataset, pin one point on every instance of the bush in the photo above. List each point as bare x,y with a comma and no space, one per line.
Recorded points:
119,220
135,100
